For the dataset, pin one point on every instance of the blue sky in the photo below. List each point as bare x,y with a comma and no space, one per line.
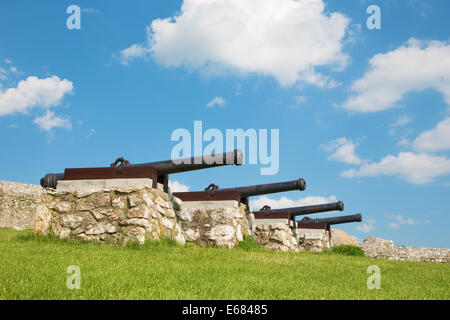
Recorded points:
363,114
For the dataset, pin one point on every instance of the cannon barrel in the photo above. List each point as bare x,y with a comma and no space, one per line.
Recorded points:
166,167
261,189
301,211
332,220
196,163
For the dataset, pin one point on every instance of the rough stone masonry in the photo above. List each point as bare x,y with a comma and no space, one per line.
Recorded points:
139,213
18,205
113,216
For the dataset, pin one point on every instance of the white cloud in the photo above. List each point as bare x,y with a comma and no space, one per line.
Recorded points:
415,66
343,151
403,142
285,39
393,225
401,121
34,92
175,186
366,227
217,101
10,70
285,202
399,220
437,139
50,121
131,53
414,168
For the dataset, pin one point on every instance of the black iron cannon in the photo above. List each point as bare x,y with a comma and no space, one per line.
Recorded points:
325,223
290,213
214,193
157,171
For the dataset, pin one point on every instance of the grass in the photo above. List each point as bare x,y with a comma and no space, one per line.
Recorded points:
35,268
347,251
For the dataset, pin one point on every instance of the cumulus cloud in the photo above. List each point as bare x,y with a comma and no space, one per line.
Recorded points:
366,227
343,151
176,186
217,101
285,202
50,121
415,66
286,39
414,168
437,139
34,92
129,54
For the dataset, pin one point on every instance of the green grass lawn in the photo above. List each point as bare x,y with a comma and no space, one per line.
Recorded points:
35,268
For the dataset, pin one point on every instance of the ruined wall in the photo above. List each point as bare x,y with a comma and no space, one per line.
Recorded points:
18,203
111,216
218,223
385,249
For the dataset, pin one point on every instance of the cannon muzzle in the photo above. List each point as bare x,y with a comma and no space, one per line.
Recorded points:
330,221
214,193
196,163
270,188
158,171
267,213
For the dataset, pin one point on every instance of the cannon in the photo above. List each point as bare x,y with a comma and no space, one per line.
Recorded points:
214,193
325,223
157,171
290,213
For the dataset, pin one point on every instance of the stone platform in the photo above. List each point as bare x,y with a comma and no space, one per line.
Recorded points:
86,186
18,205
112,216
214,223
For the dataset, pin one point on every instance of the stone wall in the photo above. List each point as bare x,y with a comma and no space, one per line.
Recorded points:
313,240
276,236
111,216
214,223
281,235
141,213
385,249
18,203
